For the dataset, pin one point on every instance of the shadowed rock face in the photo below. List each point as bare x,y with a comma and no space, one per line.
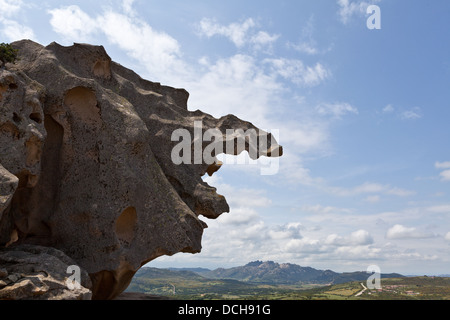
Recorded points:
86,168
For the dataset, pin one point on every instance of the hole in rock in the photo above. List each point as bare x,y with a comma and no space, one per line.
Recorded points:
36,117
83,105
126,224
34,150
16,118
10,130
102,69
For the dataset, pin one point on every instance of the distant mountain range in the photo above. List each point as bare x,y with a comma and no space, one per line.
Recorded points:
269,272
272,281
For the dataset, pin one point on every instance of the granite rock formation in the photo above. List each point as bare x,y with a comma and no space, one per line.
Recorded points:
40,273
86,169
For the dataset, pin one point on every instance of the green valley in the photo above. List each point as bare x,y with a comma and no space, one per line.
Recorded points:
268,283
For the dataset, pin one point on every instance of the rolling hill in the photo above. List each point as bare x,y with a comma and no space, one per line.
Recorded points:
272,281
270,272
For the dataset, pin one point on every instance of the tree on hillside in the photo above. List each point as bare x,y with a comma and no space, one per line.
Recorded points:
7,54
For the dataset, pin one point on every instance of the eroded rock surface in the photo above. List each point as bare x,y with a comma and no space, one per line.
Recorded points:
40,273
86,168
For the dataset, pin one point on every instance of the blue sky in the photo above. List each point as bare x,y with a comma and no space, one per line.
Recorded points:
362,114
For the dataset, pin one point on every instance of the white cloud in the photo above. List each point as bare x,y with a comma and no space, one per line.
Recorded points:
235,32
357,245
240,87
321,210
240,216
263,37
348,8
10,7
247,198
15,31
158,51
373,199
445,175
388,109
287,231
364,188
361,237
307,44
263,40
357,253
293,170
401,232
72,23
413,114
400,192
315,75
357,238
128,7
11,29
439,209
312,245
243,202
304,245
306,136
370,187
240,34
447,236
305,47
442,165
295,71
336,110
